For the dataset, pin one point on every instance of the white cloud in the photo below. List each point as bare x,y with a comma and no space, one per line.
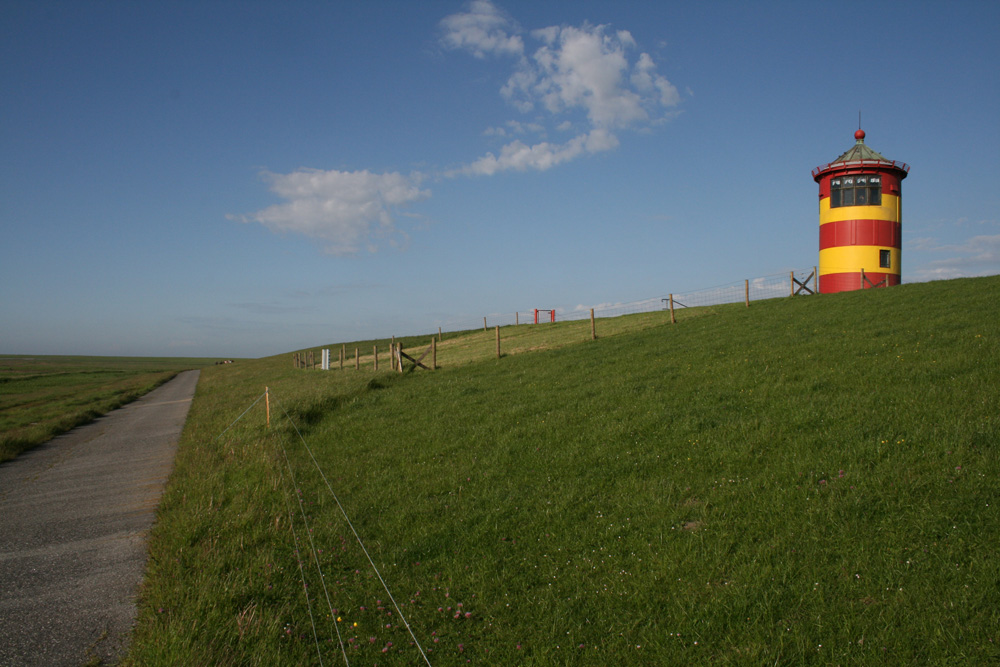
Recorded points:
587,69
519,156
483,29
583,71
581,68
646,80
345,210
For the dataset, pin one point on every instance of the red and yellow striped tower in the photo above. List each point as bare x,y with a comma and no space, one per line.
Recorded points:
860,219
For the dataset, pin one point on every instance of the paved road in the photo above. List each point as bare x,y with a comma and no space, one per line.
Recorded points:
74,520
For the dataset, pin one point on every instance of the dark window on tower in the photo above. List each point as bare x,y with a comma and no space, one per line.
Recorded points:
847,195
883,259
874,190
860,190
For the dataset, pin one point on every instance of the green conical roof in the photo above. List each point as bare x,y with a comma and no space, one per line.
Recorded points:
859,152
861,155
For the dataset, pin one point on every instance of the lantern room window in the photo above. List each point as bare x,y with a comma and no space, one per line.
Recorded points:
856,190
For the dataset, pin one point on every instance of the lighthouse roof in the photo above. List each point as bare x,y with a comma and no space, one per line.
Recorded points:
860,155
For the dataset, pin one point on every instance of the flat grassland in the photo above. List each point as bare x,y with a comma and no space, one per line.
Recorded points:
43,396
811,480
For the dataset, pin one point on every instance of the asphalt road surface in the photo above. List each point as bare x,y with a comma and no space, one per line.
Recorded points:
75,515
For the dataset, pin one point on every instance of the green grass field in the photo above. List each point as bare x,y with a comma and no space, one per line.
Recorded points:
43,396
812,480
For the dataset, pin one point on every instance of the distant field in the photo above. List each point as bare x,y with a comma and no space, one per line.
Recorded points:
812,480
43,396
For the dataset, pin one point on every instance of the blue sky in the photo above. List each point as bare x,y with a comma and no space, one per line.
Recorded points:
244,179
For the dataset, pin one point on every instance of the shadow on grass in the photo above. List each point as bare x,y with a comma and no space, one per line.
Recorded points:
308,415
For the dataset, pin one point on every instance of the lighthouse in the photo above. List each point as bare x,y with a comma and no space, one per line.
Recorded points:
860,219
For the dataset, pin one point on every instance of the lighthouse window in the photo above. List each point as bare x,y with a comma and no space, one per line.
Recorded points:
874,190
860,190
883,259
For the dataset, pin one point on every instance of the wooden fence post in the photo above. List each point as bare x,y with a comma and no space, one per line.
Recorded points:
399,356
484,324
673,320
862,278
593,329
267,401
375,356
343,353
791,283
498,341
815,281
746,288
439,334
357,360
434,354
517,318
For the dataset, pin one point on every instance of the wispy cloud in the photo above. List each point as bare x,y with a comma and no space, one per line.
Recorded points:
519,156
514,127
345,210
272,308
330,291
482,30
977,256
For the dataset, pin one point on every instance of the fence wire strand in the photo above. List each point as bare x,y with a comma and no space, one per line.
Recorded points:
302,574
315,555
350,524
241,416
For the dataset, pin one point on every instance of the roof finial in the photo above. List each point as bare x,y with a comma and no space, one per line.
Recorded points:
859,136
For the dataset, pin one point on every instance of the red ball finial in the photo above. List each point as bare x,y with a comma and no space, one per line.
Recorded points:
859,135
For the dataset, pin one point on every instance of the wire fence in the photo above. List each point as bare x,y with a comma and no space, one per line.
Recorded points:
305,550
752,289
776,285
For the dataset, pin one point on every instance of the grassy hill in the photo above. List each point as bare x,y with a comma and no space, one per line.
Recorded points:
811,480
